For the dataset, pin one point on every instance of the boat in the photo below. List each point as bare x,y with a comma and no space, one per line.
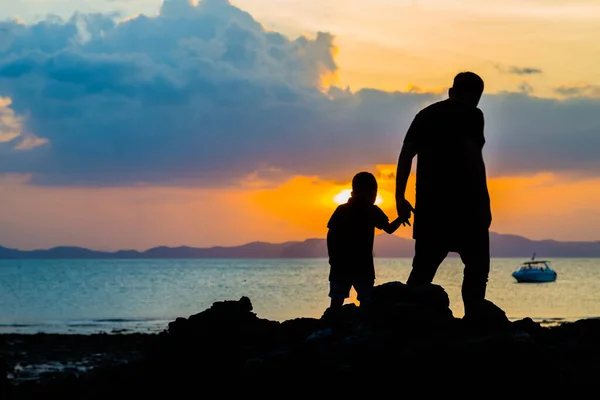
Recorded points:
535,271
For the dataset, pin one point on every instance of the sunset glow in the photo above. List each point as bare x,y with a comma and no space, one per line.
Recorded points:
253,129
343,196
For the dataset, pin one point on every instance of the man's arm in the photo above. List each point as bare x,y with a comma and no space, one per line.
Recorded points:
408,152
474,146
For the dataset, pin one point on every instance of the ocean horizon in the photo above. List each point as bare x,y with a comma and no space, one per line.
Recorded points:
143,296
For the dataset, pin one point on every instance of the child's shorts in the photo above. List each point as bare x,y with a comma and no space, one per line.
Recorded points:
341,290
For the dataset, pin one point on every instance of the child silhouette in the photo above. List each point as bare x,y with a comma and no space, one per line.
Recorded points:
350,241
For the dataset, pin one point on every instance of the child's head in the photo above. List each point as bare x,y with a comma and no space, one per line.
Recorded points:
364,186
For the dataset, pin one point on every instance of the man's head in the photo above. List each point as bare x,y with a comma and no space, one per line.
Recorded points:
467,88
364,186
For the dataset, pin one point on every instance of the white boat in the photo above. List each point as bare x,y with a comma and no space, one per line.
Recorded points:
535,271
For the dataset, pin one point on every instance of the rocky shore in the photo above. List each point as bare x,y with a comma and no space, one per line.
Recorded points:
406,341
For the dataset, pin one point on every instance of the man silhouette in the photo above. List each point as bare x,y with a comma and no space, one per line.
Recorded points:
452,208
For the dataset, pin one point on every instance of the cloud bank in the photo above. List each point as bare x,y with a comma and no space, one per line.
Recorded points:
524,70
205,95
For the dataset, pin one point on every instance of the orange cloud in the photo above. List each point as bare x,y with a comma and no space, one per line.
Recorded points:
10,123
303,201
11,127
539,206
30,141
308,202
419,90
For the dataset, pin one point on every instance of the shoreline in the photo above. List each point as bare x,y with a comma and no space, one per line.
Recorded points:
90,327
42,356
156,326
403,333
45,356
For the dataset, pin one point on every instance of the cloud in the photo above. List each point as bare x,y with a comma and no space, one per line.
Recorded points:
528,135
10,125
579,90
514,70
205,95
12,131
525,87
524,71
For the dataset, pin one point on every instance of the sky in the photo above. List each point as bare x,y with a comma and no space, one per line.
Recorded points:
133,124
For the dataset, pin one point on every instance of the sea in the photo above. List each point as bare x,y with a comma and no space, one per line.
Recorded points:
143,296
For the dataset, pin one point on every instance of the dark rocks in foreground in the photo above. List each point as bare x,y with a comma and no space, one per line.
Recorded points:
43,357
405,342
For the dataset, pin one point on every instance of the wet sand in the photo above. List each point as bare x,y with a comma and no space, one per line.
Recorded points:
46,356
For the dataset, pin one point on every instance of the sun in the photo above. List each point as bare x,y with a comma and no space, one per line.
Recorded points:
343,196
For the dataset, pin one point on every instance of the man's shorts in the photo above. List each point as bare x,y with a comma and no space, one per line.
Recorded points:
341,290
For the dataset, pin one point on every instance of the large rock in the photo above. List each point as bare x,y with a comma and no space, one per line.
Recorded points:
225,322
430,295
406,311
487,318
213,343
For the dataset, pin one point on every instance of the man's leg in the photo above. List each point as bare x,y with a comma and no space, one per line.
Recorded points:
363,291
475,255
429,254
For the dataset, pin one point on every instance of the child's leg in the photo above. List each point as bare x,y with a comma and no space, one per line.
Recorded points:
338,292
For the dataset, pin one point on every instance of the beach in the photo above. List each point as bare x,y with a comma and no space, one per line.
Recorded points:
71,327
406,335
41,357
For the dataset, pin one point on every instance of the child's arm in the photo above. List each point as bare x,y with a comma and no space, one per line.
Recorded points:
391,227
383,222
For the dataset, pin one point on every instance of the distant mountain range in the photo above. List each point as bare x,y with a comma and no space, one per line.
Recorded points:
386,246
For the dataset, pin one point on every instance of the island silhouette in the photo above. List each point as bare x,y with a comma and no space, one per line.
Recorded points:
386,246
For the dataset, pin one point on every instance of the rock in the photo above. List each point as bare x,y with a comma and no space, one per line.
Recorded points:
584,332
179,326
349,314
397,292
390,292
321,336
403,333
533,329
223,323
407,312
488,317
5,384
298,329
430,295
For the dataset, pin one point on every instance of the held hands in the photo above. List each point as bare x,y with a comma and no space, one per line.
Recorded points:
404,209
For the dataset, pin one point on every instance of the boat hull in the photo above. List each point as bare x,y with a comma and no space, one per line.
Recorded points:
534,276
